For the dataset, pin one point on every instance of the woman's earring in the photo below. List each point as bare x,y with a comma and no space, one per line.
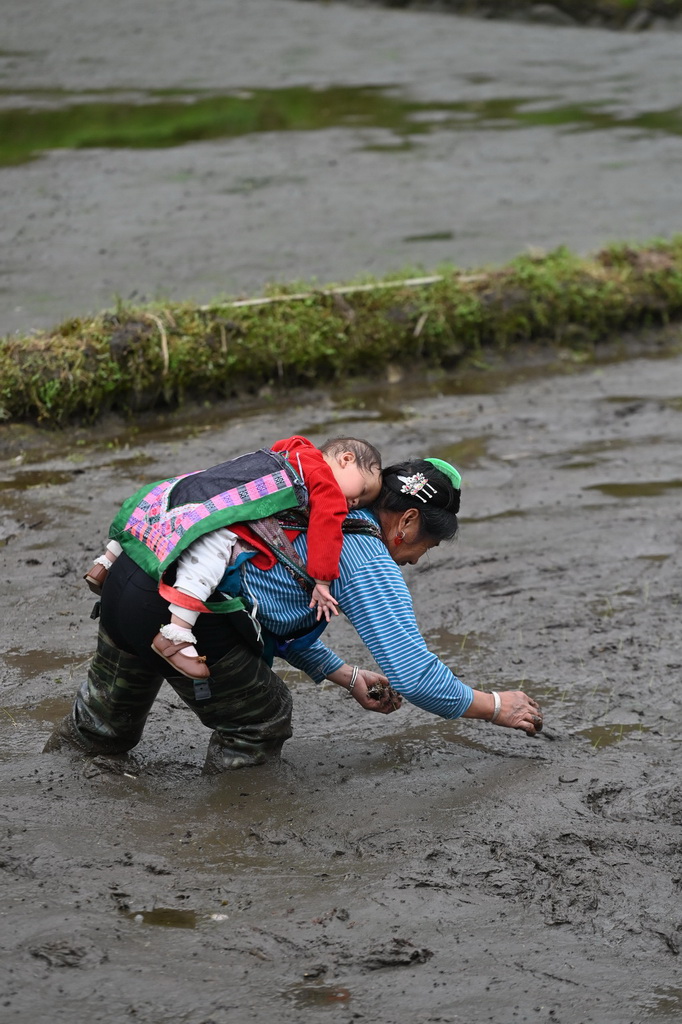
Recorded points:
398,539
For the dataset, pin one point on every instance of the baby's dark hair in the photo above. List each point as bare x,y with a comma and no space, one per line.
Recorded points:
366,455
438,512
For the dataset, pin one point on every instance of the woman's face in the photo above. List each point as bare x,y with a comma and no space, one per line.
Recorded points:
405,529
409,552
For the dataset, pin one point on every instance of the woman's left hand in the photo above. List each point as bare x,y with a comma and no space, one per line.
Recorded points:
515,710
366,680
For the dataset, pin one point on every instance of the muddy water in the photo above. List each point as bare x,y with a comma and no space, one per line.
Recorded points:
275,140
387,869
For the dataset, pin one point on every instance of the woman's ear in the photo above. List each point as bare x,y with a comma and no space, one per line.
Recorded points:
410,520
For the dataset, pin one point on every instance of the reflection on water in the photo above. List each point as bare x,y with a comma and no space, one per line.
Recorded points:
34,663
357,412
27,480
509,513
420,744
317,995
604,444
386,401
640,400
452,647
645,489
436,236
24,481
466,453
47,712
579,464
668,1004
25,726
607,735
57,119
164,917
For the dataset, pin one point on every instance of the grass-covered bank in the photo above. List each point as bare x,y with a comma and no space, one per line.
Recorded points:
156,356
637,15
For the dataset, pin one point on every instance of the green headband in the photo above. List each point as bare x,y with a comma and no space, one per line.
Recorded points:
449,471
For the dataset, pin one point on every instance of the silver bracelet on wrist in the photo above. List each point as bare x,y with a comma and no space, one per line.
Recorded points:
353,678
498,706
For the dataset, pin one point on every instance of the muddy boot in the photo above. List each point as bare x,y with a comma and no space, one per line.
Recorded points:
224,756
111,764
65,737
111,706
245,704
68,738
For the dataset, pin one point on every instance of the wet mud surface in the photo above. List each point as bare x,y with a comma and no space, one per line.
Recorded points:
388,869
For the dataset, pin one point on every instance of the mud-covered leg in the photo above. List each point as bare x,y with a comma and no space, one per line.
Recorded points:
111,706
247,706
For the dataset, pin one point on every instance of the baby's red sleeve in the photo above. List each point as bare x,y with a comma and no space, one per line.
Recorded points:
326,504
327,510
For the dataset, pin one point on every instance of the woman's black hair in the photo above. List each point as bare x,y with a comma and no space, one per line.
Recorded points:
437,511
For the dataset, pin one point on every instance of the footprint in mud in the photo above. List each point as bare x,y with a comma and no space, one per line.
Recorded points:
656,802
61,953
398,953
600,799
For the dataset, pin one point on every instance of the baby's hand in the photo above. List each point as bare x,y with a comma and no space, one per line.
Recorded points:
323,601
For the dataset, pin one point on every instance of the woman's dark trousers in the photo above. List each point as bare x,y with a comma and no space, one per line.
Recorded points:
244,702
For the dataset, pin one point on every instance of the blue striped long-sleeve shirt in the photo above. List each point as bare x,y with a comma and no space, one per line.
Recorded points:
373,595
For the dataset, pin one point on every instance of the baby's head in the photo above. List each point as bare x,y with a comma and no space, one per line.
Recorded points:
356,465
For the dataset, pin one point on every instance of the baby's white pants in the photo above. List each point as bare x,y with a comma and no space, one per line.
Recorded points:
201,568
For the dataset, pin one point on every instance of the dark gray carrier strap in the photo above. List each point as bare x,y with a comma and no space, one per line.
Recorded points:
271,530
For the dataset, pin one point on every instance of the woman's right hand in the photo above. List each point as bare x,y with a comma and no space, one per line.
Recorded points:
517,710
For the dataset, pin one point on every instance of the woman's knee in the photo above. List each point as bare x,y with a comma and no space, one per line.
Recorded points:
242,694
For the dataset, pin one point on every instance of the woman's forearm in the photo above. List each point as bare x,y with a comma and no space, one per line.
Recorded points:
343,676
379,606
482,706
317,661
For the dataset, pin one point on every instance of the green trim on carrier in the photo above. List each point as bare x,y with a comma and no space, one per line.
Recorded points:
157,523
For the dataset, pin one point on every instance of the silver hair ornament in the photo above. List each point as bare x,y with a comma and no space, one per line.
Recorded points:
417,486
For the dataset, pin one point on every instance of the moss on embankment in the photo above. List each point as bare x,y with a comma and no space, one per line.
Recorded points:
637,15
159,356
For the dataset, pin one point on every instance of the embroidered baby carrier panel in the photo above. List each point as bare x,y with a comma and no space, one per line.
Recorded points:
155,525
